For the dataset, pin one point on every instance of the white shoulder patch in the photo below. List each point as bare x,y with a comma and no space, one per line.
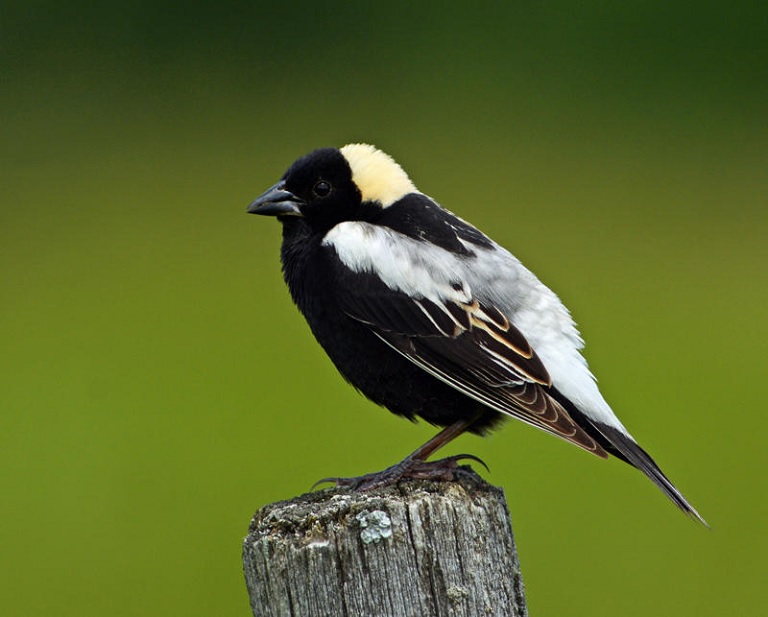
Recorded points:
418,269
376,174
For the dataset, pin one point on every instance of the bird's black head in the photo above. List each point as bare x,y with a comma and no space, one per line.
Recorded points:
331,185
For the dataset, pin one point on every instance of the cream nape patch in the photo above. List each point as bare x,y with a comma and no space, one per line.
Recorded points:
376,174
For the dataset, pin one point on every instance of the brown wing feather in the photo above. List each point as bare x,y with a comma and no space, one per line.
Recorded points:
474,348
462,366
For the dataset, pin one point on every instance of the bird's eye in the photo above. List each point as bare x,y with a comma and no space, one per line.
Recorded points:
321,188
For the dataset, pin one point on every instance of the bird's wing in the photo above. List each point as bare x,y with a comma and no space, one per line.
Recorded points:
417,298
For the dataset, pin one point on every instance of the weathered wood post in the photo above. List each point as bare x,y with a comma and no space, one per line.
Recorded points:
419,548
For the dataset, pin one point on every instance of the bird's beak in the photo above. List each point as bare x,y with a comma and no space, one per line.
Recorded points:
277,201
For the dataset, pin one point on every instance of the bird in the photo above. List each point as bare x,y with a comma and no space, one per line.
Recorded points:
427,316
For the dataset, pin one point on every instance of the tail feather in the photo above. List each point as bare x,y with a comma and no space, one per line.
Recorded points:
622,446
627,449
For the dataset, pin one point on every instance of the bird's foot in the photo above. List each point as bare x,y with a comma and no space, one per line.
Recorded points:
441,470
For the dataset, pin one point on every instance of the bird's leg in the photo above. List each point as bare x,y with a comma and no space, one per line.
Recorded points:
415,465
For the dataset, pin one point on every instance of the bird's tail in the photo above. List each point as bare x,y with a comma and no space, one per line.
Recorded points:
628,450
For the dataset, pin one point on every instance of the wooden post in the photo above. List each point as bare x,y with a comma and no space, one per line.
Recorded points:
418,548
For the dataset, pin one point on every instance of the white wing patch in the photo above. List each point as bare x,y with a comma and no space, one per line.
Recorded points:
494,277
416,268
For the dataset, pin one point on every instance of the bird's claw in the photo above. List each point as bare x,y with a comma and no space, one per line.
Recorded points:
443,470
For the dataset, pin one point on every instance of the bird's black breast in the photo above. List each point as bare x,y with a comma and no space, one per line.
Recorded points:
364,360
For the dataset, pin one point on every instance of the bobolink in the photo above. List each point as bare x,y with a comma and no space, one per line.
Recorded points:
429,317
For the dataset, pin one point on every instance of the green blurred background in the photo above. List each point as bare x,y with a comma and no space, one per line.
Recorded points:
157,385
